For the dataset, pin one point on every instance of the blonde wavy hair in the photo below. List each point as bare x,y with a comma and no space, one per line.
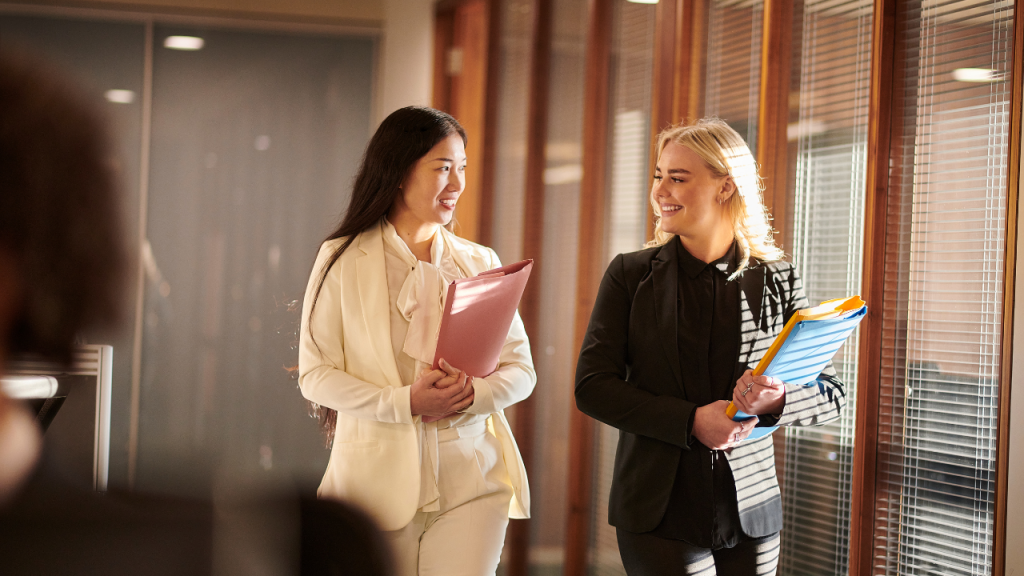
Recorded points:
726,154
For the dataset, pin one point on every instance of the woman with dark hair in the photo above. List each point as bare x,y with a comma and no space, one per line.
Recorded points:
428,453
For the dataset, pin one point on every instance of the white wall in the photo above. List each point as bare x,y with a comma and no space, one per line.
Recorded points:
1015,492
406,59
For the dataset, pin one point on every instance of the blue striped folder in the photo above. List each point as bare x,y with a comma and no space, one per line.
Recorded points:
810,339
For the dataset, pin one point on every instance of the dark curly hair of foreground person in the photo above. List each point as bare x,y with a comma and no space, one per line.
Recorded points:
59,214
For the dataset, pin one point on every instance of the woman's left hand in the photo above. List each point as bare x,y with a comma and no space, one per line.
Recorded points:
757,395
454,374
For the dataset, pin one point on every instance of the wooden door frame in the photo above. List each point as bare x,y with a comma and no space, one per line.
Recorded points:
591,262
1009,290
525,421
441,98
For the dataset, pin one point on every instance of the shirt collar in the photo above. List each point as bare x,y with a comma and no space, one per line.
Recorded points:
391,237
693,266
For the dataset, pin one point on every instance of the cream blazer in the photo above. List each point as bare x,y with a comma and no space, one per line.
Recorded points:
375,459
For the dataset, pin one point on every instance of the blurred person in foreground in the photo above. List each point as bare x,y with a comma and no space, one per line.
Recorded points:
62,262
675,331
62,269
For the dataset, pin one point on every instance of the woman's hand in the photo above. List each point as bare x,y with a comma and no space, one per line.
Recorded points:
758,395
716,430
437,394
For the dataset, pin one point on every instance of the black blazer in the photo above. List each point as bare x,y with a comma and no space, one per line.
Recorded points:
629,377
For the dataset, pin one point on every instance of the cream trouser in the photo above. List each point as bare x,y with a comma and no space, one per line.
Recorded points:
465,537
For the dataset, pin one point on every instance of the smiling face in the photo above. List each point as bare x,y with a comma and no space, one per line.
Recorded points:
688,193
433,186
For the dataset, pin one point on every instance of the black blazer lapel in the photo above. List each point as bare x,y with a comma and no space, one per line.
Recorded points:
751,313
665,276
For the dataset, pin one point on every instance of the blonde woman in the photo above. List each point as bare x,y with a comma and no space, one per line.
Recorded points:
428,453
674,332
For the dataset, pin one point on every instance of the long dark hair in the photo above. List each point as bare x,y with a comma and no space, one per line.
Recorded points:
404,137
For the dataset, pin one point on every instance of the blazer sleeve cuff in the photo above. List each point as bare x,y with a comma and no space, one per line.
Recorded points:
689,429
803,407
403,405
483,398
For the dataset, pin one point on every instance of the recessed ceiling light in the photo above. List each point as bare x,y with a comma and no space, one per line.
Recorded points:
119,96
184,43
805,129
977,75
643,1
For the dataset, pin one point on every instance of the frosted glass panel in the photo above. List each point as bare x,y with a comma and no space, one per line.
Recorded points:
256,138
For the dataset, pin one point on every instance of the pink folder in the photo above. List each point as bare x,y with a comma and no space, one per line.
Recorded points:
477,316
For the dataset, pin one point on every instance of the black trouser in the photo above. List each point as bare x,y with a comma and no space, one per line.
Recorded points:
648,555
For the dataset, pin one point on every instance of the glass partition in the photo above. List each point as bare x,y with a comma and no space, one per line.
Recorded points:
732,80
256,139
253,143
941,334
828,134
105,60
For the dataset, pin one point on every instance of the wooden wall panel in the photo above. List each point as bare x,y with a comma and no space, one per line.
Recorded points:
1009,289
525,421
671,74
773,111
467,104
880,121
698,58
444,23
488,157
667,39
593,197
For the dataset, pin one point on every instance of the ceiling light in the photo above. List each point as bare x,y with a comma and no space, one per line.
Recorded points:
805,129
565,174
119,96
643,1
184,43
977,75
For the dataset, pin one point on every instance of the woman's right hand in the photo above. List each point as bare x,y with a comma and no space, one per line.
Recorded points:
437,393
714,429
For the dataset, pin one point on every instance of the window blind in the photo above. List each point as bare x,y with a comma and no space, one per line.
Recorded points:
733,76
943,292
632,75
832,59
510,154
